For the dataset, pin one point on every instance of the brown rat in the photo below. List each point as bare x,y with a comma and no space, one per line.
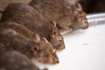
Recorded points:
13,60
29,17
11,39
20,29
63,12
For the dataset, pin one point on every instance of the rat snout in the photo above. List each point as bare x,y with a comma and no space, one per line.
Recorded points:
60,47
82,21
52,59
56,60
59,44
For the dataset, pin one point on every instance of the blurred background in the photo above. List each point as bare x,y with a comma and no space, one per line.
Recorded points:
93,6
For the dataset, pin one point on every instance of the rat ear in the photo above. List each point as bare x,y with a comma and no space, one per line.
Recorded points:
34,49
36,38
45,41
78,5
48,44
54,33
53,23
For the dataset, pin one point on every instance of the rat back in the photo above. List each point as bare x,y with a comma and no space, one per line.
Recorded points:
64,12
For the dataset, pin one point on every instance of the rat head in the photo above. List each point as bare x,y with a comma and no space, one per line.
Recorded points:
44,52
80,21
56,38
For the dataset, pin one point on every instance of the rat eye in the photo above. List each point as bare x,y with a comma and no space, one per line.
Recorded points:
55,31
34,49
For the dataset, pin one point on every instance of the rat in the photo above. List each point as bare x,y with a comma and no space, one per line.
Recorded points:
26,15
13,39
21,29
14,60
67,13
